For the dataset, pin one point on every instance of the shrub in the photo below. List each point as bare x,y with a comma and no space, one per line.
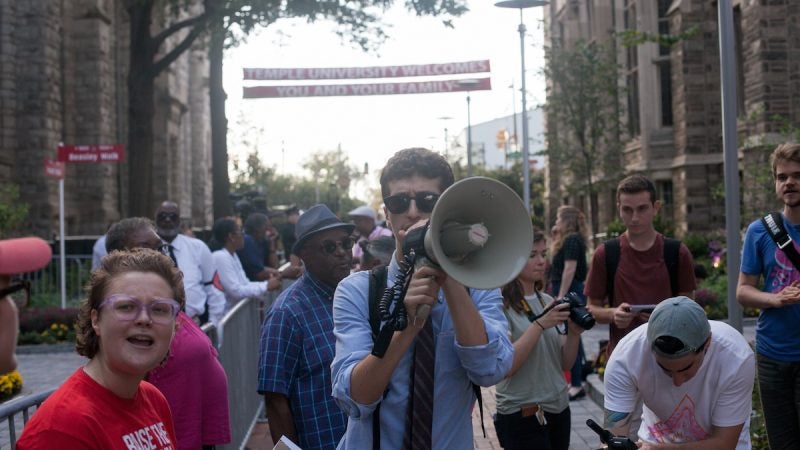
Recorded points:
697,245
615,228
46,325
10,385
41,319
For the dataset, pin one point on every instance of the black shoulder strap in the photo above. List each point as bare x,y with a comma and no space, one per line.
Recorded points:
377,284
672,249
612,248
773,222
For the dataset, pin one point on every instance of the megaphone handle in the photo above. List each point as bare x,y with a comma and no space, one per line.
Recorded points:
423,311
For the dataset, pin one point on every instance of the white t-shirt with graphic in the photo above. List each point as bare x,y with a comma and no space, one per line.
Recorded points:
718,395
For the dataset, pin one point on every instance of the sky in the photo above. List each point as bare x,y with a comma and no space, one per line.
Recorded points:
371,128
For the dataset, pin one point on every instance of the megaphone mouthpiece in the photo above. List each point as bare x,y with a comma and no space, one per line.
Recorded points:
459,240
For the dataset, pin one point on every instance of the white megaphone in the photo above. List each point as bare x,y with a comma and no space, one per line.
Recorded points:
479,233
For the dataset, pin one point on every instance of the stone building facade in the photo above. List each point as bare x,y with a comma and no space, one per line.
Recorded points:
671,106
63,78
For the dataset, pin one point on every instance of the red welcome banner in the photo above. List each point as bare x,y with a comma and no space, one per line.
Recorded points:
340,73
331,90
91,154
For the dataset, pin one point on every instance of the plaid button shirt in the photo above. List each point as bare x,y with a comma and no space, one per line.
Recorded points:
297,348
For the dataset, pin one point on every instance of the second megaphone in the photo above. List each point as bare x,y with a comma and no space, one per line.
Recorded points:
479,233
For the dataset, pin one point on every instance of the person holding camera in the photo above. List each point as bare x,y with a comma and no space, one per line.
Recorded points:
694,377
532,402
462,341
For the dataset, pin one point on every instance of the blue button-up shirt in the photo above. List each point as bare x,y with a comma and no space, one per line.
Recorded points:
297,347
457,367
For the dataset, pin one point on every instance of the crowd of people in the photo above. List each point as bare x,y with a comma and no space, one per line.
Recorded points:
332,377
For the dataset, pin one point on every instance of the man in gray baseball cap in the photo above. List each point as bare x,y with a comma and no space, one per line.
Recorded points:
694,376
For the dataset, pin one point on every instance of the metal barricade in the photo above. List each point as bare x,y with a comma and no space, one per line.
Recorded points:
45,285
9,411
237,341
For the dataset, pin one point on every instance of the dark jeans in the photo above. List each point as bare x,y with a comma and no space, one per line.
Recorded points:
779,385
524,433
576,373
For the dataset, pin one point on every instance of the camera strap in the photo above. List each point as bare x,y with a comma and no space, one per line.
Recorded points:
773,223
529,311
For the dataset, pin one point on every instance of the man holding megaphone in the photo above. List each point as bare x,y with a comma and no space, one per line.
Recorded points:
398,399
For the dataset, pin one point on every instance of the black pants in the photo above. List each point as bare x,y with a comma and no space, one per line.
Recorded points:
523,433
779,384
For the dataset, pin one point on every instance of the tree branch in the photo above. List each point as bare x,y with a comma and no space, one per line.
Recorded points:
161,64
175,27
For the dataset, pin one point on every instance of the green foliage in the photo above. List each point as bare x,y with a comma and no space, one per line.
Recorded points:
664,226
332,175
632,38
583,132
13,212
697,245
615,228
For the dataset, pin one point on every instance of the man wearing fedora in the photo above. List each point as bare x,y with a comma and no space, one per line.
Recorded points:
17,256
693,376
297,343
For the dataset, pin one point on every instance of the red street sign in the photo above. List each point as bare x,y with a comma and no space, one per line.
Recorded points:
91,154
54,169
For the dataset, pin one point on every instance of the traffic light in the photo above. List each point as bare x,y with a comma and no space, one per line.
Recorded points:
501,139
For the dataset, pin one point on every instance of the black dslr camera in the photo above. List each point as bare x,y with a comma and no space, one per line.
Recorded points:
577,310
613,442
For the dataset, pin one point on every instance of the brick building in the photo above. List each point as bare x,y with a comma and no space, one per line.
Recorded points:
63,78
671,107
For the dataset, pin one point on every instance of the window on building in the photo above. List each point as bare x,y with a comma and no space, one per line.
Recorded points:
632,71
664,65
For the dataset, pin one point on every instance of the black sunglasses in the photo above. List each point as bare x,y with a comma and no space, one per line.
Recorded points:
329,247
23,298
399,203
165,216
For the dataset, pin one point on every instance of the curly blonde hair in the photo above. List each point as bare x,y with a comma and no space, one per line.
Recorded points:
112,266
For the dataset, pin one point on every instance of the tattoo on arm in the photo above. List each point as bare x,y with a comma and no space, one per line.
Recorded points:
616,419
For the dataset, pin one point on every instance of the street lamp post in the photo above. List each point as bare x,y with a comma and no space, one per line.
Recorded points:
523,4
446,144
469,84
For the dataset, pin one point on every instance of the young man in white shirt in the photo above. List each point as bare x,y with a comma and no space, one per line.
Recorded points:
694,376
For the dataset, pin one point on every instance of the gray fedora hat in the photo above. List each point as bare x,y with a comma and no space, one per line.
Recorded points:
317,219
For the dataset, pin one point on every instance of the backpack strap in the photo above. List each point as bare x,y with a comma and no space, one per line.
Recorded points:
377,284
672,249
773,222
612,248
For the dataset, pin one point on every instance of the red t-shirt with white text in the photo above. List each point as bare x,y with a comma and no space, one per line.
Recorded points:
82,414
